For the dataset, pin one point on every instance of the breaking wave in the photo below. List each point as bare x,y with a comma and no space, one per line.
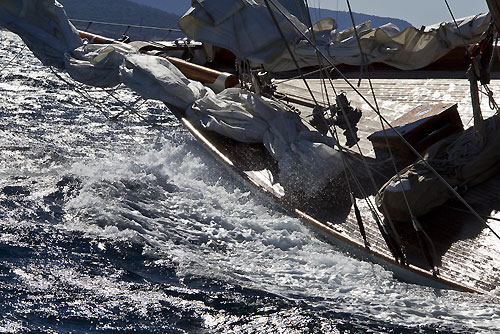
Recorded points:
120,227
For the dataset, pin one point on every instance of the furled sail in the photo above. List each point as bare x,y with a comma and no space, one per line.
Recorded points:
297,8
43,26
237,114
247,29
244,27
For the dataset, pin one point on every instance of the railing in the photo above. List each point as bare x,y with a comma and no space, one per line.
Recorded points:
126,26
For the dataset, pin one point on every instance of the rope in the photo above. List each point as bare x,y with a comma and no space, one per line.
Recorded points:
450,188
289,49
463,149
458,28
279,82
13,58
359,43
114,118
491,99
125,25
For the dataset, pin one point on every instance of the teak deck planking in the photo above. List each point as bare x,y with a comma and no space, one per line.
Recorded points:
468,254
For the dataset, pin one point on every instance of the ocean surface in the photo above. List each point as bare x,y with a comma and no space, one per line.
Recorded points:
129,226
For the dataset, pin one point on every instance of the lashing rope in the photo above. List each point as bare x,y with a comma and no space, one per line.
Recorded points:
450,188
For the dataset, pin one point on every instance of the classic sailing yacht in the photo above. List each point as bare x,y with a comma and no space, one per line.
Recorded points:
377,203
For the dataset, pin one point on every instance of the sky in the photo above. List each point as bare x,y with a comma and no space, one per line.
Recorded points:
417,12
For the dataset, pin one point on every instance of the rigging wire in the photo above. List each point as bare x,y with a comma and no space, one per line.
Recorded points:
12,59
86,96
125,25
337,13
458,28
466,211
346,163
421,234
89,99
397,239
392,239
114,118
450,188
301,9
273,17
358,40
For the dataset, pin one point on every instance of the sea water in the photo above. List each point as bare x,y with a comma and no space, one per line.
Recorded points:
130,226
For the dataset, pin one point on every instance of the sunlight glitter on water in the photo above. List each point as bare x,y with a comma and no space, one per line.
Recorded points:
120,228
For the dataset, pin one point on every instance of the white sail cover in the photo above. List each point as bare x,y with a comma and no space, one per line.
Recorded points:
43,26
246,28
306,159
297,8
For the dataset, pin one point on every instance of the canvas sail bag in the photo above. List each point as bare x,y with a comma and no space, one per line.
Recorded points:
461,160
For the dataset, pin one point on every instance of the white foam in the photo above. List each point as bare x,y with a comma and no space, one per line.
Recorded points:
185,209
210,227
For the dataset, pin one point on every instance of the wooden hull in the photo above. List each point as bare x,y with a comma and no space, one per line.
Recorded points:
461,266
468,254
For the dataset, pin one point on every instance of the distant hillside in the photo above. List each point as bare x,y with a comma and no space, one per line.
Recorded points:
178,7
121,11
344,19
166,13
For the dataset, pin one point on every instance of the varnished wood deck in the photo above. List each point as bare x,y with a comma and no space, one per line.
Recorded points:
468,254
394,96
